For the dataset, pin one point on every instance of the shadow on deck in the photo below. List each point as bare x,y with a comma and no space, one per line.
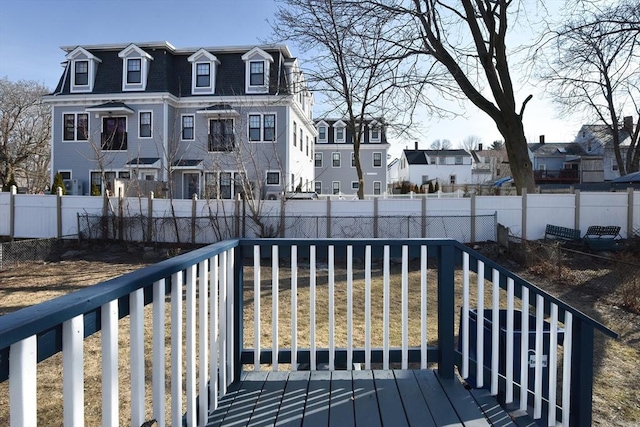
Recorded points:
356,398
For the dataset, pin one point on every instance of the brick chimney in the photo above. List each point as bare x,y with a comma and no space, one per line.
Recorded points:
628,124
480,147
416,145
541,139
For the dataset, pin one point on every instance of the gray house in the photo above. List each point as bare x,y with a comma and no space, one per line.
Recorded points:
212,121
334,160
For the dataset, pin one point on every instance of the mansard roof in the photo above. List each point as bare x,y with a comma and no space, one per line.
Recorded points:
170,70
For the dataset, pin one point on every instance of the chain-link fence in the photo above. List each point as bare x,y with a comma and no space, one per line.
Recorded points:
203,230
614,276
21,251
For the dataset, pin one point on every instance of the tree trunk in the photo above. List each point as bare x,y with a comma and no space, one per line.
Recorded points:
516,144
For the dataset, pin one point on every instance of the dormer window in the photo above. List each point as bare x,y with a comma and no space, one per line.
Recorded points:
339,132
134,71
322,128
81,73
135,68
83,66
374,132
257,66
203,72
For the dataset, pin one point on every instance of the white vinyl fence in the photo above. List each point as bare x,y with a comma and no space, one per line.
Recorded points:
43,216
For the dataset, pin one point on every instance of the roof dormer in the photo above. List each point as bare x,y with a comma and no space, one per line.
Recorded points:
323,134
375,131
83,66
339,132
203,72
257,68
135,68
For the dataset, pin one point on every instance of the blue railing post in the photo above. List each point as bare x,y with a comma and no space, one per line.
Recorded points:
446,311
238,312
581,374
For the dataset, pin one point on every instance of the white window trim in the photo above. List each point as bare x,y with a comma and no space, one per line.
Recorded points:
275,128
81,54
375,125
266,176
374,187
151,124
321,160
126,129
333,183
182,128
339,160
202,56
354,185
373,159
75,124
317,184
134,52
339,125
325,125
61,171
257,55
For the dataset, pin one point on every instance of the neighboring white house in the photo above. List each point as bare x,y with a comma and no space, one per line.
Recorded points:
597,140
447,167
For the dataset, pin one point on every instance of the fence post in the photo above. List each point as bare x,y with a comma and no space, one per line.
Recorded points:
12,211
194,203
629,213
105,211
329,217
424,217
581,374
576,210
236,222
120,215
150,217
473,218
59,211
524,214
375,218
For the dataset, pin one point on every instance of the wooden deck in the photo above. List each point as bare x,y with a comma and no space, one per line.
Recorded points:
355,398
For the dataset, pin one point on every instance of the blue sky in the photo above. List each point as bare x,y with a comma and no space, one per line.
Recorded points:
32,31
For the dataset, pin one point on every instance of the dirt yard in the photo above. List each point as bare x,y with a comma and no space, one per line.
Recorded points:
617,362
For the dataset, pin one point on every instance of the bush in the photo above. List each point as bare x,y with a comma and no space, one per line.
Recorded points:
58,182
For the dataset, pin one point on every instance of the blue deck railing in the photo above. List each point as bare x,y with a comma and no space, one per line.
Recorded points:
236,304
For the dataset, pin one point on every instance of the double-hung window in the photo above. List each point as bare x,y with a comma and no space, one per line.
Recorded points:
134,70
203,74
318,160
353,160
144,118
221,137
322,134
256,73
335,160
81,73
76,127
295,133
377,160
187,128
377,187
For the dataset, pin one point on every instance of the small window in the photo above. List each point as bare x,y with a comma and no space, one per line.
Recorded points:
81,73
322,133
273,178
452,179
377,160
375,134
377,187
442,160
225,185
425,179
335,185
354,185
458,160
340,134
254,128
203,74
317,186
145,124
318,160
187,128
307,145
335,160
295,132
256,73
353,160
270,127
124,175
65,174
134,70
301,137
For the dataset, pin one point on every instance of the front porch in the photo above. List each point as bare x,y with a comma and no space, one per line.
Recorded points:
257,312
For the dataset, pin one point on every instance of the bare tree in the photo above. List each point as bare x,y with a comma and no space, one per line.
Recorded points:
354,63
471,142
469,42
440,144
593,65
25,130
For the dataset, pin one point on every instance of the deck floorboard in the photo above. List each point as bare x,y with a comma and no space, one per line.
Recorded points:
354,398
